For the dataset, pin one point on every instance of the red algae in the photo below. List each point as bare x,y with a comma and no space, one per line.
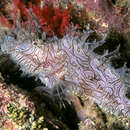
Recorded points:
45,16
4,21
48,15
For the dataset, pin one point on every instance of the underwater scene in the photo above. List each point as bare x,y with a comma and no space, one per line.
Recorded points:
64,65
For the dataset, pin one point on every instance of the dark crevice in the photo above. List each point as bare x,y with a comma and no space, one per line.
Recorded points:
113,2
113,40
12,75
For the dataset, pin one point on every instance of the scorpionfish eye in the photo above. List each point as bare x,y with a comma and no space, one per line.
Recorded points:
36,43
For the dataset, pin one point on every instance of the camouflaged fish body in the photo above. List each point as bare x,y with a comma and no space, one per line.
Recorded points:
70,60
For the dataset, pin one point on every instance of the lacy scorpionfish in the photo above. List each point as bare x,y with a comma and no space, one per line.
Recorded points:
69,60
